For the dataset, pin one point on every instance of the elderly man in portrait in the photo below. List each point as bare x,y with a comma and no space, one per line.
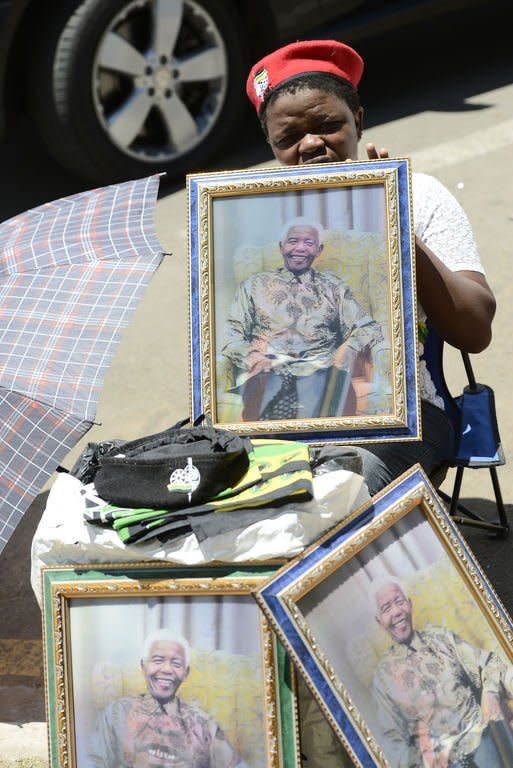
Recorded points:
158,728
438,697
293,333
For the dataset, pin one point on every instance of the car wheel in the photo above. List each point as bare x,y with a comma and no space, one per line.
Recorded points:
122,88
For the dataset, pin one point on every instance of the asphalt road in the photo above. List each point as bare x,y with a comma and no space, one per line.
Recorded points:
443,98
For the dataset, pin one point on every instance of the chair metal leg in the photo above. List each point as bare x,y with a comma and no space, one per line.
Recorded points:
455,498
500,528
498,497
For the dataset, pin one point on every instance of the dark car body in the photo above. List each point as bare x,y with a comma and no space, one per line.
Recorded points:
51,71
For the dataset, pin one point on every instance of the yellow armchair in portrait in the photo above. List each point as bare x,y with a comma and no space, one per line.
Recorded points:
454,607
225,685
360,259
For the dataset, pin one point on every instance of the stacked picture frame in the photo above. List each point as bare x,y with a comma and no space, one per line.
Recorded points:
249,623
97,620
228,643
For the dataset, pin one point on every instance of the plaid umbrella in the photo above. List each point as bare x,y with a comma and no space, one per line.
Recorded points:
71,273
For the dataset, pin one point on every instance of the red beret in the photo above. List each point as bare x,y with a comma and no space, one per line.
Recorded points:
320,56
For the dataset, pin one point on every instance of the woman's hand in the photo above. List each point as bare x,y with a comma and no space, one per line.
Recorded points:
373,153
258,362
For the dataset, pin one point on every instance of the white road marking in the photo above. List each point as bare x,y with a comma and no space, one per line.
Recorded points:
467,147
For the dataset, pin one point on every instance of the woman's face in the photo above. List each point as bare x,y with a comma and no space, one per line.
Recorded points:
313,126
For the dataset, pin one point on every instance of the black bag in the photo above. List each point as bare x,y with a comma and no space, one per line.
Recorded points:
171,469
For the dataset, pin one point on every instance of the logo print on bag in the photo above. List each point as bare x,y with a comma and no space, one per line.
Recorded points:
185,480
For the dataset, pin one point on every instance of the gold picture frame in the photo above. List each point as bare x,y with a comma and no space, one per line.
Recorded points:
360,292
107,687
399,635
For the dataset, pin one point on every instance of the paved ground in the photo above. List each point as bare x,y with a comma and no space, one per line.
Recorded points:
456,122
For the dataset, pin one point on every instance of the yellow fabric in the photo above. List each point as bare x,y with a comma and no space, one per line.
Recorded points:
226,686
274,474
358,258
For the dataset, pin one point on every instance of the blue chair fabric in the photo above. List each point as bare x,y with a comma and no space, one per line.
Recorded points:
477,438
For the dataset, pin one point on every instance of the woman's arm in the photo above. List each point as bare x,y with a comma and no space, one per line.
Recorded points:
459,303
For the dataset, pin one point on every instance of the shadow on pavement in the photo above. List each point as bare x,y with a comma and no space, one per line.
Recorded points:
492,552
438,66
21,657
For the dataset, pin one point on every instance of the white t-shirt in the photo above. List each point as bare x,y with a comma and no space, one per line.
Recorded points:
442,224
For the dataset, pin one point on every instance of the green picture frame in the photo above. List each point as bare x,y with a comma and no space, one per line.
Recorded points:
239,688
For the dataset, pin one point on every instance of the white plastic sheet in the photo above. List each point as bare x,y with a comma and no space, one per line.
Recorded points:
63,535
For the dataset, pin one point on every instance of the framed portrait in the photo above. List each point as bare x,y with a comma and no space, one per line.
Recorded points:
399,635
148,665
302,305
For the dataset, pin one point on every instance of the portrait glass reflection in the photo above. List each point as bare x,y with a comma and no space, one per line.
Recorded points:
168,682
418,658
302,305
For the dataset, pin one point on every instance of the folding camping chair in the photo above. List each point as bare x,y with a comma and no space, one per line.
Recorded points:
477,440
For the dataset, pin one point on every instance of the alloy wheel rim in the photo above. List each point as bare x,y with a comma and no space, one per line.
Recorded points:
160,76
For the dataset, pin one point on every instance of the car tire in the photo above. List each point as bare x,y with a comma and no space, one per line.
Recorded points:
165,113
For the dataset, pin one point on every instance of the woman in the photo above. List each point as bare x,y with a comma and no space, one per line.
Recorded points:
305,95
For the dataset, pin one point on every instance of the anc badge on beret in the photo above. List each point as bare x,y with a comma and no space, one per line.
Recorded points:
261,82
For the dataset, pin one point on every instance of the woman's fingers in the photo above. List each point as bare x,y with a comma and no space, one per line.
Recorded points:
373,153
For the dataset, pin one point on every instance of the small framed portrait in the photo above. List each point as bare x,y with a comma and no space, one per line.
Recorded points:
302,307
148,665
399,635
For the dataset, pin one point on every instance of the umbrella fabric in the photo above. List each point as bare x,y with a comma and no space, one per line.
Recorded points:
71,273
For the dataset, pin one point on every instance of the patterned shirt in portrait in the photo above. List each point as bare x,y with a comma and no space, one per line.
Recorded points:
297,321
138,732
428,695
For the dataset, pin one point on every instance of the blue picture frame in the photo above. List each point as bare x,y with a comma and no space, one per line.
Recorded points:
234,224
318,606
